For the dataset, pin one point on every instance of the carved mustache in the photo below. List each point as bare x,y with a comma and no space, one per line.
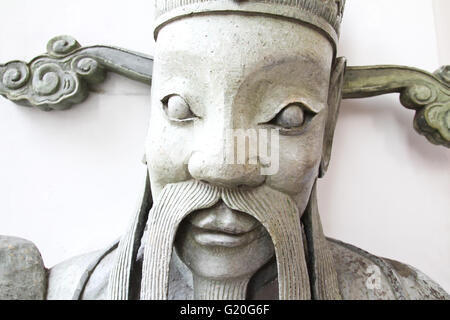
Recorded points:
276,211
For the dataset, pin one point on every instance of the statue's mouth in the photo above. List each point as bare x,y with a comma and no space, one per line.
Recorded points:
221,226
211,238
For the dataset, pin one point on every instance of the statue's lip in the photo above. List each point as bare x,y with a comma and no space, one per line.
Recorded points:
221,226
222,219
222,238
230,229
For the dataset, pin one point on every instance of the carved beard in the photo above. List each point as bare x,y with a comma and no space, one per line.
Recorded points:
276,211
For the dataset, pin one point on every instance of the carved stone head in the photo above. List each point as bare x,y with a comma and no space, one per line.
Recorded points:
223,67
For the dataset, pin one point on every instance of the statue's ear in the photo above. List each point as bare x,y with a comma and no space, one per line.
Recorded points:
334,102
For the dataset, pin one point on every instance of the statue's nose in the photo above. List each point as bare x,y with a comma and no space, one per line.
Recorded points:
213,167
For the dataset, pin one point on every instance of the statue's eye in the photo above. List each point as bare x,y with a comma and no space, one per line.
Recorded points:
294,116
177,109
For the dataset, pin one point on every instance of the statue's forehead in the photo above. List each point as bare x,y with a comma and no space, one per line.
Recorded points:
227,51
241,41
188,70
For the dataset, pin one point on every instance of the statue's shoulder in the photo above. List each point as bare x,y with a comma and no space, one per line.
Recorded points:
363,276
23,275
82,277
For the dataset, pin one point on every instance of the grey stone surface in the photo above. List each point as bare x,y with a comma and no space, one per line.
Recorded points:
210,227
361,276
67,280
22,272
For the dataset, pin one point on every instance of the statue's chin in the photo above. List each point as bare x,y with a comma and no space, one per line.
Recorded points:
221,256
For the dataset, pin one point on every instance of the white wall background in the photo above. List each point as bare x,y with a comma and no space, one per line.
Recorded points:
442,11
69,180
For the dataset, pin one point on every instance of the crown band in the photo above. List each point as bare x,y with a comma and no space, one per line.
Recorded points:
323,14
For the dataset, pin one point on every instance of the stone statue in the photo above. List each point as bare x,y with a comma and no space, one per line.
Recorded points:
211,227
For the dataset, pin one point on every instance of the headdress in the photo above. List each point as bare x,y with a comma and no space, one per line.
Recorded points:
323,14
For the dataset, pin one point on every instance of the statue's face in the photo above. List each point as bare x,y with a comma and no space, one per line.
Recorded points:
221,72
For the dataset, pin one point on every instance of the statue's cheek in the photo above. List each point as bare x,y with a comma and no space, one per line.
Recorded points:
298,164
167,153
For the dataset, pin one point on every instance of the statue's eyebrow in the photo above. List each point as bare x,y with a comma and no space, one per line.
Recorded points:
272,93
271,63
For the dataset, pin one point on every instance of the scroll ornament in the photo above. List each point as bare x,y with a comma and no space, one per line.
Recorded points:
428,94
63,76
56,80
